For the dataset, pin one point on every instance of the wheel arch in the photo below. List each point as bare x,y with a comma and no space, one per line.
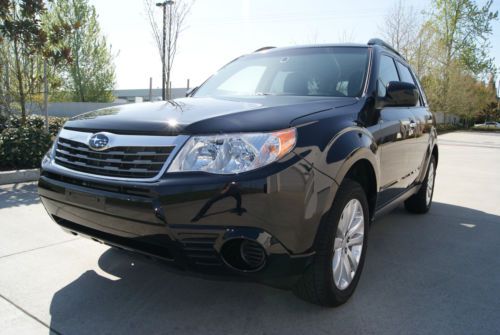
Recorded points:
363,172
435,153
355,153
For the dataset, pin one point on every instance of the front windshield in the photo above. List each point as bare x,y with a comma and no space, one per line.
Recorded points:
315,71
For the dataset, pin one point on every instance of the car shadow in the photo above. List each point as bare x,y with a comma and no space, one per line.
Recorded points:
22,194
415,264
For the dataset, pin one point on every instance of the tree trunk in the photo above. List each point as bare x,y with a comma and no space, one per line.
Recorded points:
19,75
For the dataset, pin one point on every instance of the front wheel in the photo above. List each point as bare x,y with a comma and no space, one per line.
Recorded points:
421,201
340,249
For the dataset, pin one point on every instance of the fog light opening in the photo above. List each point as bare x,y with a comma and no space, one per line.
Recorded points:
243,255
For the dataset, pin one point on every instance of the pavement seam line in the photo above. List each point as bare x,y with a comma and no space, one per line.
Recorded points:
460,217
42,247
30,315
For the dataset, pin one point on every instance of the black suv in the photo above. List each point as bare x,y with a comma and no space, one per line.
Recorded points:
272,170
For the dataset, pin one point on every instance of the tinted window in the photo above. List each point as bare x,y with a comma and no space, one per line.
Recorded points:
405,74
321,71
386,74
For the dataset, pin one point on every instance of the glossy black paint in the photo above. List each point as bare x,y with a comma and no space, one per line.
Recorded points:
205,115
186,218
401,94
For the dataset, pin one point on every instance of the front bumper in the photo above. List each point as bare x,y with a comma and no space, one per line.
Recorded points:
187,219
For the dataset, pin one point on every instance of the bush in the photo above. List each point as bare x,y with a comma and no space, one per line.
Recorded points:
24,147
485,128
443,128
3,121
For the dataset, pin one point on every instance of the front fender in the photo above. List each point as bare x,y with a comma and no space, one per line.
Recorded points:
348,147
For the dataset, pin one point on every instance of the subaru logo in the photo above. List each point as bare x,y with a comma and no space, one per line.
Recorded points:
99,142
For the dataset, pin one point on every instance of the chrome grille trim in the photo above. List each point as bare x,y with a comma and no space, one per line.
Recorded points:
129,157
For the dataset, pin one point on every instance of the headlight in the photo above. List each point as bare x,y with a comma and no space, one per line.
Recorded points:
233,153
49,155
51,152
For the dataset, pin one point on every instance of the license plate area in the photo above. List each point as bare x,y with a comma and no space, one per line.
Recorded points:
85,199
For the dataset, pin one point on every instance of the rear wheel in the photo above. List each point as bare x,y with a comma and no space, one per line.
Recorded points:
421,201
340,249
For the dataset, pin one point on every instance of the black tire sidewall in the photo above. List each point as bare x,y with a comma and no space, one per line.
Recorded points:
348,190
417,203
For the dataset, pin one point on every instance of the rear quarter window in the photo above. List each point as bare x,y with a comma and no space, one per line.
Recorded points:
405,74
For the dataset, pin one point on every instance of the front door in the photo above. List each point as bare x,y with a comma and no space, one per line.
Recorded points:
394,136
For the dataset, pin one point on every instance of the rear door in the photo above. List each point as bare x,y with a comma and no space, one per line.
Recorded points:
422,120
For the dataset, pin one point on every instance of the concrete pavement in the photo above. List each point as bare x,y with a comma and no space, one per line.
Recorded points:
433,274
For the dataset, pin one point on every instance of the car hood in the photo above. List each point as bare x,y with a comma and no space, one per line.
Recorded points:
204,115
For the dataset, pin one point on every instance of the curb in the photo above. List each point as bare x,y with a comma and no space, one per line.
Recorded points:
19,176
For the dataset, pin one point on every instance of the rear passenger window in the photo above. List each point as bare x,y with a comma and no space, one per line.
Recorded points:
405,74
386,74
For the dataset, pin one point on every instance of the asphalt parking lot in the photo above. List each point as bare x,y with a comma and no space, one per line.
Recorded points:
432,274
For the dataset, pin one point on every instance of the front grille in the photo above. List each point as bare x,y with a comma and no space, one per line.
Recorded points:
124,162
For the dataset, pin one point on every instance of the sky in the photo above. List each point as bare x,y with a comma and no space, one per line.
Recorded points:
217,31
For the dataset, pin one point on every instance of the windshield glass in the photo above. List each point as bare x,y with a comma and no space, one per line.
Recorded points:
317,71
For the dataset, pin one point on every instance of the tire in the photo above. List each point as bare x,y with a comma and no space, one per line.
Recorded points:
421,202
320,284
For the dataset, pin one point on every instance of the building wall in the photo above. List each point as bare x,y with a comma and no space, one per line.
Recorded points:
447,118
70,109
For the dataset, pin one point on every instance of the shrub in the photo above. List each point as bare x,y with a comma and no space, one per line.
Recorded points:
55,124
485,128
24,147
3,121
443,128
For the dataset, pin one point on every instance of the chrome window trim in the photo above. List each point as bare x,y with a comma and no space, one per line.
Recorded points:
120,140
368,73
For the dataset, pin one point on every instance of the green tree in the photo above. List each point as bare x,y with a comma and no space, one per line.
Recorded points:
91,74
464,29
26,44
490,112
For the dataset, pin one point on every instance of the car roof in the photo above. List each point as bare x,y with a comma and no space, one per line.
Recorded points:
380,48
308,46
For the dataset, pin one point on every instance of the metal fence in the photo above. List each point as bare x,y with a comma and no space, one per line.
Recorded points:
70,109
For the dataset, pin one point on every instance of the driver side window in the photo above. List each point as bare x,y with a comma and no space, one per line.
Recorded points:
387,73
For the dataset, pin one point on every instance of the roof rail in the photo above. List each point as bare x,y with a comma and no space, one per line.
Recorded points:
264,48
382,43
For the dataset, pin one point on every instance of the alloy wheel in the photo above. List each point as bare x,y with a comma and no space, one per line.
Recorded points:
348,244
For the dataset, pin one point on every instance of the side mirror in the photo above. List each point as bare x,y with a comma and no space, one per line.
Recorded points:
401,94
191,91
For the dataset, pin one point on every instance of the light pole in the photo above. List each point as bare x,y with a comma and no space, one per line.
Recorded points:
164,4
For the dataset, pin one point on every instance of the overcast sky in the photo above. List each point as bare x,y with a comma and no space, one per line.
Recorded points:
220,30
